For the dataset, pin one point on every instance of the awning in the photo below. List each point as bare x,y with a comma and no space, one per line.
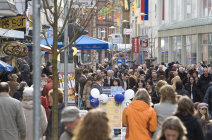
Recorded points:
50,41
82,43
7,8
42,47
85,43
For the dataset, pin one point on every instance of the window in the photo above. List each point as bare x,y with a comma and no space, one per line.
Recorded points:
99,33
207,7
103,32
164,49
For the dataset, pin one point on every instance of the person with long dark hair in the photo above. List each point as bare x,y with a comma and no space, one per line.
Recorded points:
185,112
193,91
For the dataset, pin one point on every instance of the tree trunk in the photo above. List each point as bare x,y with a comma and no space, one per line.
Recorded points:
55,76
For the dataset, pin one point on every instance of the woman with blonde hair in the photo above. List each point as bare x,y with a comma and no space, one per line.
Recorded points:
174,80
185,112
139,117
156,95
166,107
172,129
94,126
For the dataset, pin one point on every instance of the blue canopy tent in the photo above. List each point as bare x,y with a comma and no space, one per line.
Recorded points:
85,42
82,43
50,41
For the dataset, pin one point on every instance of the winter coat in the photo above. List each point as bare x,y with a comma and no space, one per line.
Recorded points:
18,94
163,110
12,120
47,88
66,136
182,92
28,111
82,81
209,135
44,103
96,85
195,91
60,124
194,130
86,95
140,119
203,84
155,97
208,98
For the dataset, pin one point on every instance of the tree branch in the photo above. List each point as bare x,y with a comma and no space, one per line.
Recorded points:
66,18
45,37
46,5
47,17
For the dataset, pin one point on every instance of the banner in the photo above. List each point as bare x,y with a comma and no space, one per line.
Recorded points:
145,9
135,45
114,112
71,86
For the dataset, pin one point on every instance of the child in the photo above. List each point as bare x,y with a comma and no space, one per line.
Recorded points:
203,116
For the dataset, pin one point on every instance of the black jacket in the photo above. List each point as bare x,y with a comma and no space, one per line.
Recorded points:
155,97
208,98
182,92
195,91
203,84
18,94
194,130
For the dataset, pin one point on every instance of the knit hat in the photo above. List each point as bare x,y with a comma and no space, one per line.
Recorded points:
28,93
202,105
70,114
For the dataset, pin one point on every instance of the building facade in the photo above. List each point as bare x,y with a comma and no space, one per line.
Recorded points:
177,30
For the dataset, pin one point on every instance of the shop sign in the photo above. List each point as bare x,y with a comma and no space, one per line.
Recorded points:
18,22
128,31
135,45
145,43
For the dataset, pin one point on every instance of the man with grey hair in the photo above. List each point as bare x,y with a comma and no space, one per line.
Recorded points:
12,120
70,118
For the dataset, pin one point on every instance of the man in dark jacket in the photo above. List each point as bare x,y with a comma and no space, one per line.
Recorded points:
208,98
98,84
203,82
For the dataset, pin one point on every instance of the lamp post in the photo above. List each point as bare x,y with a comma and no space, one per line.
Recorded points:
112,27
124,21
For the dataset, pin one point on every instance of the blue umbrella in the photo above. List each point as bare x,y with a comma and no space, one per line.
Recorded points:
4,67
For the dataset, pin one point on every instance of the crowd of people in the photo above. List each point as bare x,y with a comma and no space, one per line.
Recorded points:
171,102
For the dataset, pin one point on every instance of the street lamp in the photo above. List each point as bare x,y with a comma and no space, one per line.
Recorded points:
124,21
112,27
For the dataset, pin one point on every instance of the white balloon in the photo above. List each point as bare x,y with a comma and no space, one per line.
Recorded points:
129,94
103,98
95,93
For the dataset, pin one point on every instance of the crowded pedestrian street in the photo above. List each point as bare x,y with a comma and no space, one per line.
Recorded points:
105,69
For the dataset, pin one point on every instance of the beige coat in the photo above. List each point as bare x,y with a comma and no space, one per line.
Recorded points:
12,120
28,111
86,94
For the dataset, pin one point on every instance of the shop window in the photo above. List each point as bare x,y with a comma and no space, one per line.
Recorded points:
164,50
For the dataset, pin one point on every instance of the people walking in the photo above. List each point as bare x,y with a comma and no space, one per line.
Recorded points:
139,117
172,129
12,120
185,112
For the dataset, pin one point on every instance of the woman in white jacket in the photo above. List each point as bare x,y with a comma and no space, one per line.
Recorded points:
27,104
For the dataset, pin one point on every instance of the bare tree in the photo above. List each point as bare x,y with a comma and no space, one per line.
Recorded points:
78,15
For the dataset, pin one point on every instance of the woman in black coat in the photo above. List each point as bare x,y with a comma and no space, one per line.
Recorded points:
185,112
193,91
